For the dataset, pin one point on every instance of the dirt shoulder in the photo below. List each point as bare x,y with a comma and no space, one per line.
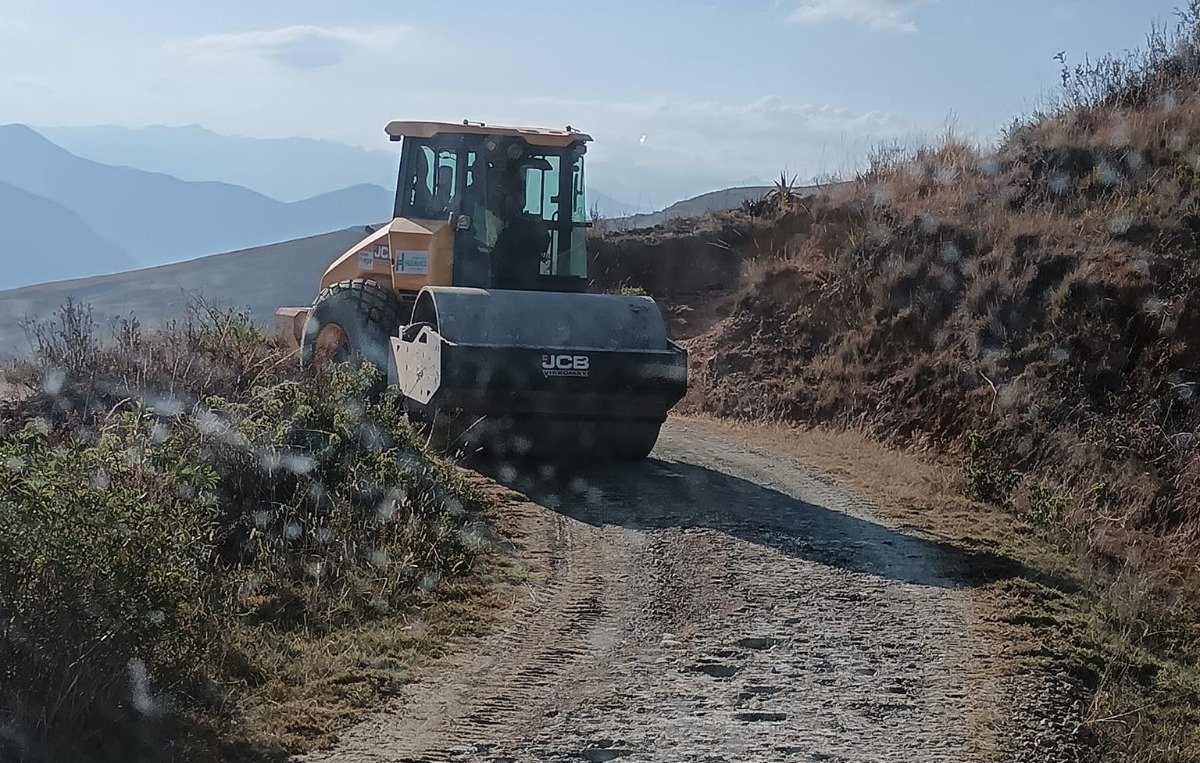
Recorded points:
913,489
303,690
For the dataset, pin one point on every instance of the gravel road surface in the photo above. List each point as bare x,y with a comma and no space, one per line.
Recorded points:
718,602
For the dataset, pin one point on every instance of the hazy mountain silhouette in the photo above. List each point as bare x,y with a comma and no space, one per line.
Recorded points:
44,241
608,207
157,218
282,168
287,169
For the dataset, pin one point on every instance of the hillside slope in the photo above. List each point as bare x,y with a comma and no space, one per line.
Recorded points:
714,201
158,219
43,240
260,279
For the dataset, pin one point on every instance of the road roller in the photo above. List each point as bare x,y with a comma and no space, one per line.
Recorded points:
474,302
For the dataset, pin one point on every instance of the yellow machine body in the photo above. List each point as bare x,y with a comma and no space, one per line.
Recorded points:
407,255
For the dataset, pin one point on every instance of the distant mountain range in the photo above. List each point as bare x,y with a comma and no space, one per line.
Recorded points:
43,239
606,207
149,218
729,198
288,169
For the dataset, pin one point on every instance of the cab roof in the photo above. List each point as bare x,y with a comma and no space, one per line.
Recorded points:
535,136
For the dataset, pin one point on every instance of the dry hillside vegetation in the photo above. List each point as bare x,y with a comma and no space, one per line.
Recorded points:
1035,310
692,267
198,546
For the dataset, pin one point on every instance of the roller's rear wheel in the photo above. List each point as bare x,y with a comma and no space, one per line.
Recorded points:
332,346
628,440
558,440
351,321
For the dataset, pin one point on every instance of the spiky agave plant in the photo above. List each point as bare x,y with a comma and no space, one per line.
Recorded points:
785,190
783,196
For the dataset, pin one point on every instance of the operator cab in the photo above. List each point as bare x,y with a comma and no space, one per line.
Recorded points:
514,196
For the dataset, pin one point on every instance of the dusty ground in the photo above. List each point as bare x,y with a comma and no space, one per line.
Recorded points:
721,602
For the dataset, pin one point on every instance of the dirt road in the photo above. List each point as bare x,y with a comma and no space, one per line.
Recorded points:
717,603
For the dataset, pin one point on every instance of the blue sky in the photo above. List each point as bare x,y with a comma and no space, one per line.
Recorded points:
682,97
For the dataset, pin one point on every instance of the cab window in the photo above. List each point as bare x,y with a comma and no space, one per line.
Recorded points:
431,188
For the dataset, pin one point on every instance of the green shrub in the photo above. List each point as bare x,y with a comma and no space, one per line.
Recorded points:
104,558
986,478
1048,506
158,488
331,494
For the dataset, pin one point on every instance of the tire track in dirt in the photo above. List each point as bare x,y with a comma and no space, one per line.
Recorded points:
716,603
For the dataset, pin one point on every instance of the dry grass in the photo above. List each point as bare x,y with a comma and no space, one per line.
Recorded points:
306,688
301,689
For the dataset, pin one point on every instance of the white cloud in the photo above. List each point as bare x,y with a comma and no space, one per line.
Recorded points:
697,131
296,47
895,15
668,149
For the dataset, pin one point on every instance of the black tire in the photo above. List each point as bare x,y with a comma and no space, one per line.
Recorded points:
628,440
573,441
366,312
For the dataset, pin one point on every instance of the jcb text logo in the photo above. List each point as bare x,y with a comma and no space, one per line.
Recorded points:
566,365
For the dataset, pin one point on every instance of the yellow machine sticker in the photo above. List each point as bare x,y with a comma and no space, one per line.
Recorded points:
412,262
